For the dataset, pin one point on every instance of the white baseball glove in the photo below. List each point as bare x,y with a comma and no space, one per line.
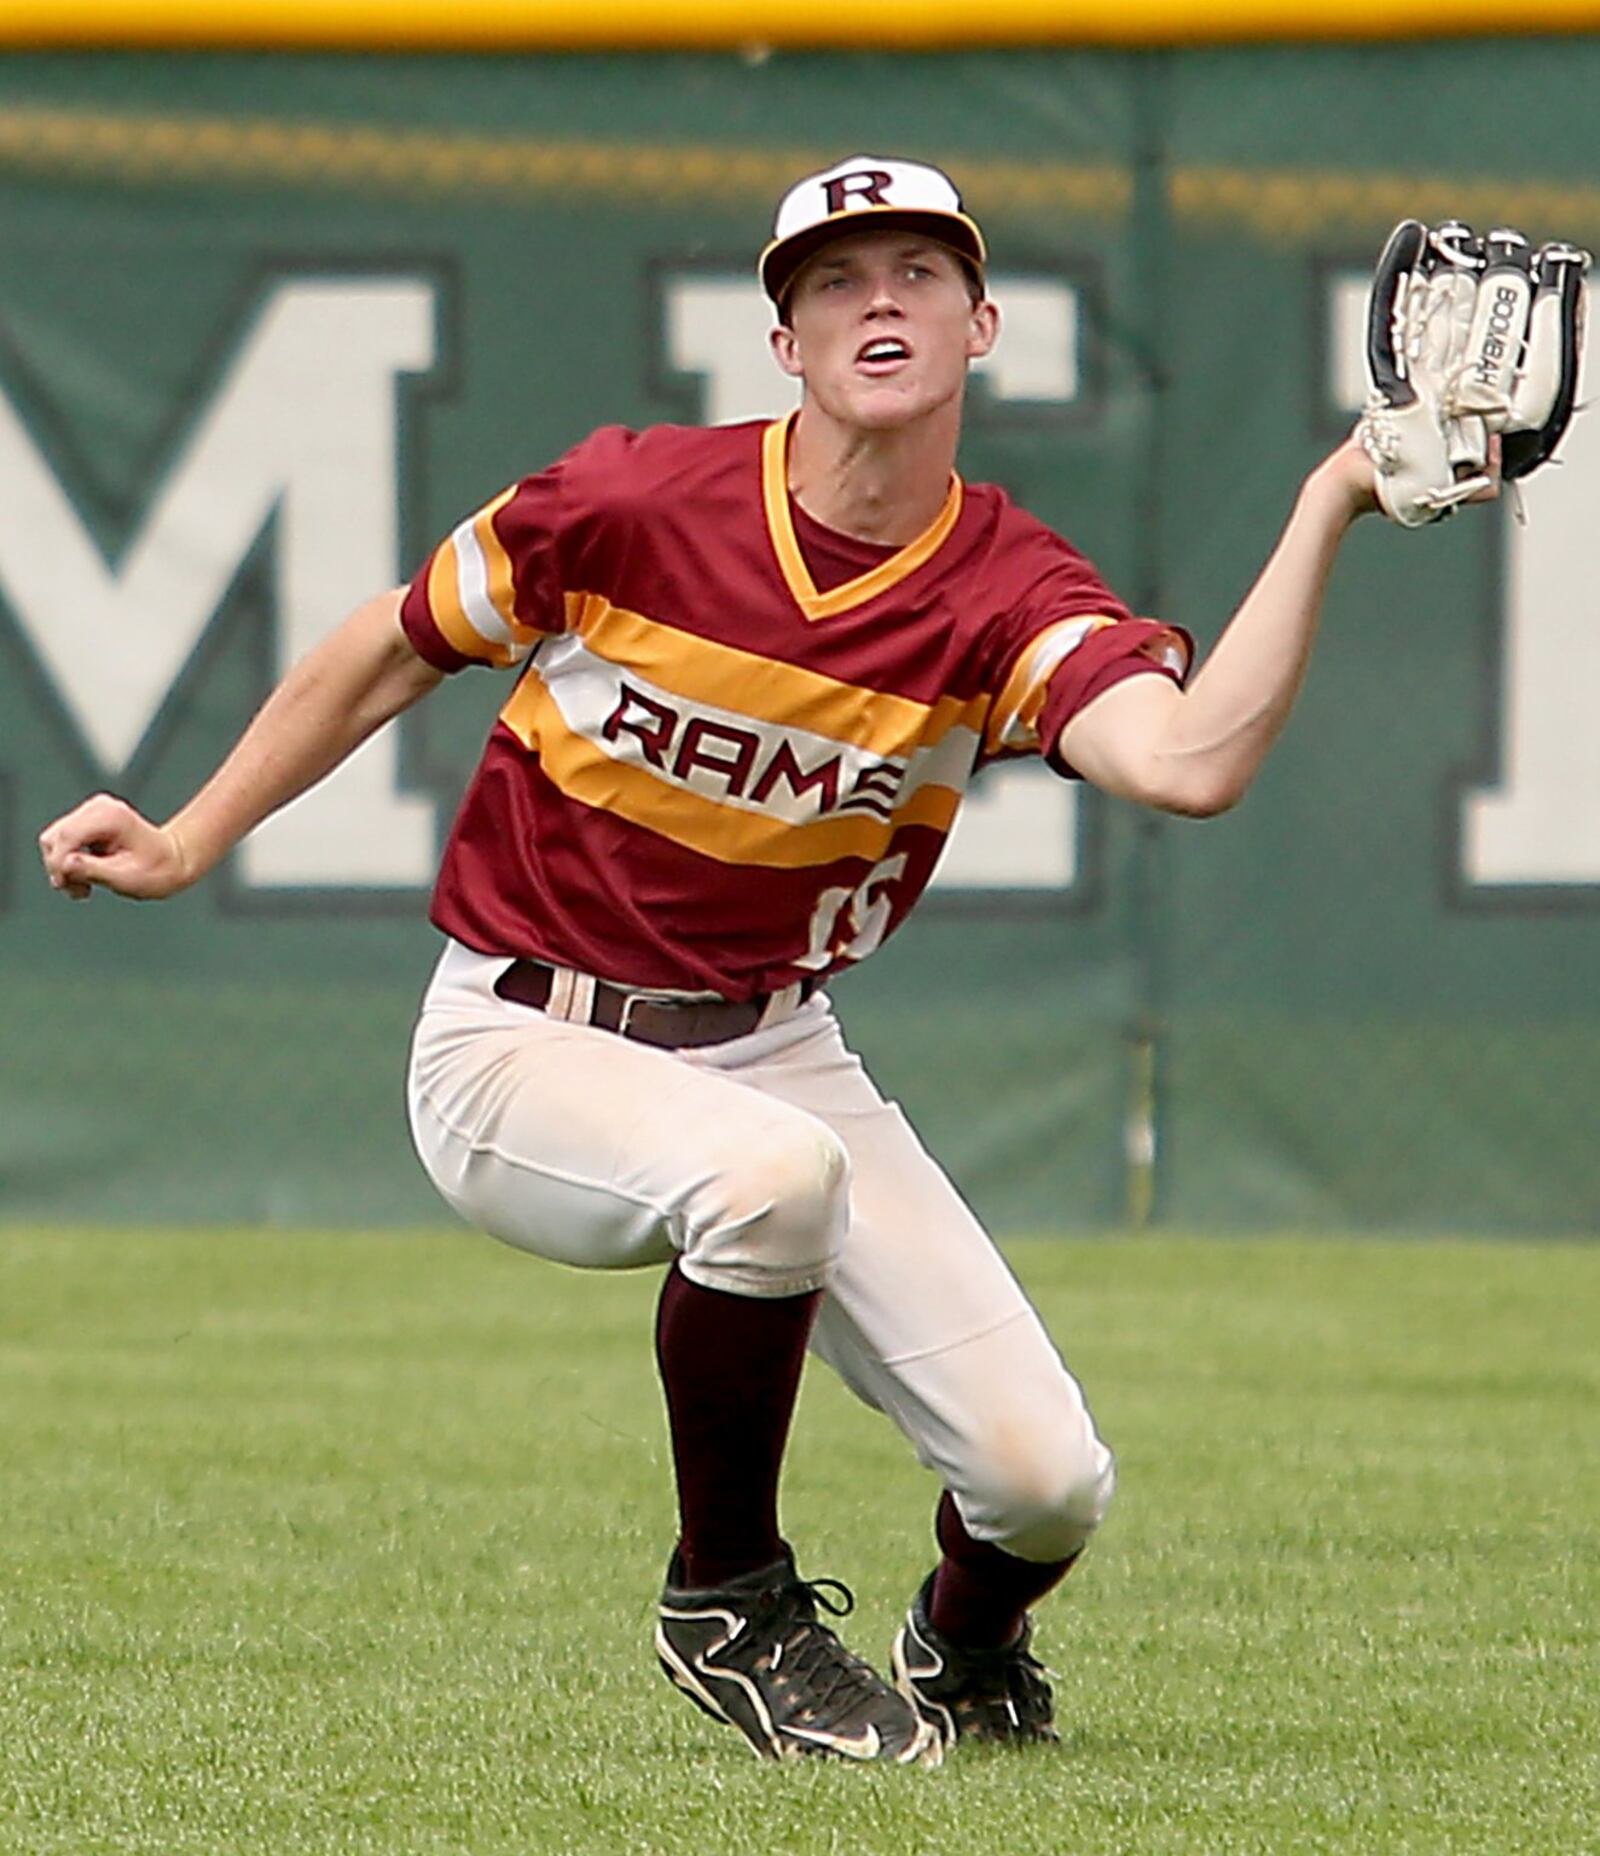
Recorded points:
1467,338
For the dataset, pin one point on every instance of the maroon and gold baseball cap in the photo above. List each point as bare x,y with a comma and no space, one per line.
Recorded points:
860,191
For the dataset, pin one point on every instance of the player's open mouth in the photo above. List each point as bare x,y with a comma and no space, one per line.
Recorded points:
882,355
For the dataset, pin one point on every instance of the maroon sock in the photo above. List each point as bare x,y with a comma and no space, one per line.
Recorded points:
730,1366
981,1593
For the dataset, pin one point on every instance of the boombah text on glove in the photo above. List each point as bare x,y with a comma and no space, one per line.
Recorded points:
1508,308
1469,339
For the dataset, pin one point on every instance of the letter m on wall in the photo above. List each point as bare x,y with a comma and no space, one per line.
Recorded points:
299,437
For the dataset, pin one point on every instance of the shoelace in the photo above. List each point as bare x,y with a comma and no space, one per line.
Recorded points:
1028,1695
810,1648
1018,1683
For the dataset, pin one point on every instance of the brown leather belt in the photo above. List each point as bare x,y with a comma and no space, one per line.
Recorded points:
673,1024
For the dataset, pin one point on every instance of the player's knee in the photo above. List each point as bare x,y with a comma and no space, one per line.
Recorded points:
1044,1501
776,1214
1068,1510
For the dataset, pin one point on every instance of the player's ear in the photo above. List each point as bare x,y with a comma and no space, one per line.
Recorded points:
984,330
786,350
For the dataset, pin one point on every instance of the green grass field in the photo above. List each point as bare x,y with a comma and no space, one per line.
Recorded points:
350,1544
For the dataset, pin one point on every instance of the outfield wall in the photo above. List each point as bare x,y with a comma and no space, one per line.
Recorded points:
270,324
832,25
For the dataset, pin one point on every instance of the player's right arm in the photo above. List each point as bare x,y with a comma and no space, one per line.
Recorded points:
359,677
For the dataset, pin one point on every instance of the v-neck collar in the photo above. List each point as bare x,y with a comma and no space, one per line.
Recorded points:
797,576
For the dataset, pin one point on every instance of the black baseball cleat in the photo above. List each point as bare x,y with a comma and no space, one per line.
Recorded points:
963,1694
754,1654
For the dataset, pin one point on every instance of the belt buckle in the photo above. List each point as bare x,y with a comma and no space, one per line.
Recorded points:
631,1001
685,1011
625,1014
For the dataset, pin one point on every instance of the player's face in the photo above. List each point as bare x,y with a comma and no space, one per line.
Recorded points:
882,328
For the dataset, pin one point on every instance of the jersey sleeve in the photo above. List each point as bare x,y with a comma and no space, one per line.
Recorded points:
1068,638
498,583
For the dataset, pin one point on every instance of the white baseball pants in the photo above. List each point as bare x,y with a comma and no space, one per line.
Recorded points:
767,1165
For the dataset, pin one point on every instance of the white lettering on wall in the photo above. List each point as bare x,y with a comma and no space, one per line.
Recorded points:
299,433
1539,823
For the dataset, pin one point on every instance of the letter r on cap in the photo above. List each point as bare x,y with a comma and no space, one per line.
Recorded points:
869,183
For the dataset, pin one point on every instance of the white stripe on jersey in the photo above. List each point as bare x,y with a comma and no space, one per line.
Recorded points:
1050,652
472,583
589,690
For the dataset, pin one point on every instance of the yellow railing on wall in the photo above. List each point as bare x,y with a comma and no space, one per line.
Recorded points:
141,148
594,25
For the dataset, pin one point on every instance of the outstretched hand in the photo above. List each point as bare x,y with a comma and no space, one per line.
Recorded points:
1470,340
106,842
1351,468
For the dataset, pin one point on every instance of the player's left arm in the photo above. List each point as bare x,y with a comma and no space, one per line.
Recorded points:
1194,751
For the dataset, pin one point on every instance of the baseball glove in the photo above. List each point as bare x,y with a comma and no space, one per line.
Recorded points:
1468,337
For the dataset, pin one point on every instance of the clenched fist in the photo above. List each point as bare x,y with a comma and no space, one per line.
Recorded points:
106,841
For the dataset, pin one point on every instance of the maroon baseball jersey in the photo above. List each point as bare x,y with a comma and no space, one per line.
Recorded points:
739,739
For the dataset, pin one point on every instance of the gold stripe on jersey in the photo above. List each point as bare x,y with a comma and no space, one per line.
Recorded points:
780,527
1013,721
584,772
497,568
456,590
444,602
763,688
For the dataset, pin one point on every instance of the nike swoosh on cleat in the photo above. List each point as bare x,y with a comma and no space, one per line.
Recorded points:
867,1744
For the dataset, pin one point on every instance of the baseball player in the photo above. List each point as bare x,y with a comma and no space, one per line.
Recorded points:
756,666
